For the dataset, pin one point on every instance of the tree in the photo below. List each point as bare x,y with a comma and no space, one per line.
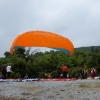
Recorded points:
7,54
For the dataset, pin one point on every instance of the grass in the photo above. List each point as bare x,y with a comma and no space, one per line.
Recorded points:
85,85
89,85
97,85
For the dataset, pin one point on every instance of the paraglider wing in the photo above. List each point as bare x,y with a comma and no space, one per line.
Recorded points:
43,39
12,46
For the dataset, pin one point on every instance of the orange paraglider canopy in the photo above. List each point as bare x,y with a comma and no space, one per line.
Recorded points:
43,39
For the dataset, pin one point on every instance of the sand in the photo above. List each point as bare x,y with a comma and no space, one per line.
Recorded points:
88,89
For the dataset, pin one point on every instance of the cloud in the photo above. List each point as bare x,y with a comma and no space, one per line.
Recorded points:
78,20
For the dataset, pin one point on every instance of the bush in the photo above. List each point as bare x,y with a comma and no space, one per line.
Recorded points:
15,75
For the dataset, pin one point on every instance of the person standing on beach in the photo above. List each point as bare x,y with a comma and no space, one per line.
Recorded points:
85,73
64,71
9,70
92,73
4,71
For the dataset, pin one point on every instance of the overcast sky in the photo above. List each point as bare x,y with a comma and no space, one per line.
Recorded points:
78,20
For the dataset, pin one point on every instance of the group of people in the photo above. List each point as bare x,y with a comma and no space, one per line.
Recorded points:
6,71
83,73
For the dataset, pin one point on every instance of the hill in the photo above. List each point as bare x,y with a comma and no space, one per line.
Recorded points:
88,48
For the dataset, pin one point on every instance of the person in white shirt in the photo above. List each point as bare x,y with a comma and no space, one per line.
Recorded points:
9,70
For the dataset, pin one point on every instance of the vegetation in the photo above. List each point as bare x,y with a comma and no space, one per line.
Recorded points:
39,64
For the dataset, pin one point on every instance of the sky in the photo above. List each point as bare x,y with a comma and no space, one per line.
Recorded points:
77,20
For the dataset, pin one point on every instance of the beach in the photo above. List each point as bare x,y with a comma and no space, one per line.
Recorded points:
87,89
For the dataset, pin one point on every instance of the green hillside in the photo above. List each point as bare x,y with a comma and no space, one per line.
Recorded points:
88,48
